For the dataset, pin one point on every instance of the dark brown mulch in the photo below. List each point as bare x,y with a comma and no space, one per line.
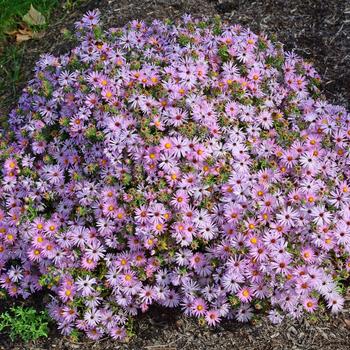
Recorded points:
318,30
171,331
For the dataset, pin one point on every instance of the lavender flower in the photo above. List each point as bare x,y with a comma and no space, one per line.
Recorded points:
193,164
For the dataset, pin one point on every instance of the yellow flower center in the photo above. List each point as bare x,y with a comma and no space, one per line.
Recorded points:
245,293
311,199
253,240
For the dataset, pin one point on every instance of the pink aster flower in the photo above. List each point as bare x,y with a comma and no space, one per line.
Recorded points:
53,174
66,293
321,216
335,302
310,304
85,285
212,317
147,295
92,317
244,313
88,263
308,254
117,333
199,307
245,294
180,199
95,251
287,217
172,299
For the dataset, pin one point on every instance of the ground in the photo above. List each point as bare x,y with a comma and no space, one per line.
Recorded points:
319,31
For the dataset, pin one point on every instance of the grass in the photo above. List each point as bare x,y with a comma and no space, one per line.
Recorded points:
12,53
12,11
10,67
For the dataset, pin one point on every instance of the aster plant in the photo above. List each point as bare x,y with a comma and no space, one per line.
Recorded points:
193,165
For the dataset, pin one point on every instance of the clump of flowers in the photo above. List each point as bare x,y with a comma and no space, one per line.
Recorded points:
192,165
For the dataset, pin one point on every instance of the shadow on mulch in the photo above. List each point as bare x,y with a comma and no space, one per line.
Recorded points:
319,31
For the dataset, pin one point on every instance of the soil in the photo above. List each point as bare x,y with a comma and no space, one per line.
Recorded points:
319,31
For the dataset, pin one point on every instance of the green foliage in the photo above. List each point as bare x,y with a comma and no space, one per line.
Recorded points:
223,53
184,40
25,323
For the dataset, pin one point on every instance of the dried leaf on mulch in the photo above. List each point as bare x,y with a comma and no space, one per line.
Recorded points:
24,34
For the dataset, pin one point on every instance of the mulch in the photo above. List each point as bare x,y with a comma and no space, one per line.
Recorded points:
319,31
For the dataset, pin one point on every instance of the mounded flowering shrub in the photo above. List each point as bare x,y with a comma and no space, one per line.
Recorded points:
193,165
